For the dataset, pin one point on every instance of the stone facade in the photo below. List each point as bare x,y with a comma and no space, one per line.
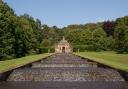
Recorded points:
63,47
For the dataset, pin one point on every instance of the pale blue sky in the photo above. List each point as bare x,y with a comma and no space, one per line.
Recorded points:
64,12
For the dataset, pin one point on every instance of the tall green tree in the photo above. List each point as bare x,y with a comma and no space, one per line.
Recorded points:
98,39
121,39
7,29
121,35
25,38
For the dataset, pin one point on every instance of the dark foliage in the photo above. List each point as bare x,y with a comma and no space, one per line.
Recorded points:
109,27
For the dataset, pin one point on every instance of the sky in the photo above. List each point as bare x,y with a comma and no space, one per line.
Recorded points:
65,12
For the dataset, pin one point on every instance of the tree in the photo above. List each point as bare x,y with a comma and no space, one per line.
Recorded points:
98,40
26,41
7,28
121,35
109,27
45,43
121,39
123,21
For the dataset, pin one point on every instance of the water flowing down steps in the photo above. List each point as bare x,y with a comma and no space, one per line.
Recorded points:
65,74
65,67
67,71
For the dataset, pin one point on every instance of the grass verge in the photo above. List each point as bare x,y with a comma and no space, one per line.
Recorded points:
15,63
118,61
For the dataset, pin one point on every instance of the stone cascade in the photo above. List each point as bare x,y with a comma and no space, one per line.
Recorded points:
65,67
65,74
61,60
41,65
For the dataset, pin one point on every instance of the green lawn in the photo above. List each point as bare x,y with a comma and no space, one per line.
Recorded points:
15,63
119,61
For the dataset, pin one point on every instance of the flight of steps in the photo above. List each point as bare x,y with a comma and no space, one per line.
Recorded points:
64,67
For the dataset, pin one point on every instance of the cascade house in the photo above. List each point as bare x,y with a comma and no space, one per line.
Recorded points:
63,47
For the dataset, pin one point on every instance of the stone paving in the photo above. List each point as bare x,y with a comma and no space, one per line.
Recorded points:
65,67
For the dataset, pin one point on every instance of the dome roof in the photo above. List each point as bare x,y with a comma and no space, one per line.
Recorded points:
63,42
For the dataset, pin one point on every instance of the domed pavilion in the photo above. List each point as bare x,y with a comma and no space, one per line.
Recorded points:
63,47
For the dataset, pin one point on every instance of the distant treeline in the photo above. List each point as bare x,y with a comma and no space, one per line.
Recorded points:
23,35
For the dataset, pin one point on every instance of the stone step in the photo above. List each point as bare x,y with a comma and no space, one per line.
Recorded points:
63,85
63,62
39,65
64,58
65,74
61,56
